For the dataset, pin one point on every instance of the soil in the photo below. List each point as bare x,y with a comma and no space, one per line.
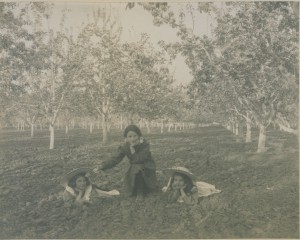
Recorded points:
259,198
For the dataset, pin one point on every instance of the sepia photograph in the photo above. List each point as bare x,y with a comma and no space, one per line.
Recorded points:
149,120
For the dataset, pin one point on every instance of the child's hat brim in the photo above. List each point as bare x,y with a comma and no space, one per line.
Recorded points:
182,170
66,178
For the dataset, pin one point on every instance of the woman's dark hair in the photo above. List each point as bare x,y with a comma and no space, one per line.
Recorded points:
188,182
72,182
132,128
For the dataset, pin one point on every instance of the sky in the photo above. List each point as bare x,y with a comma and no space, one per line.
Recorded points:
134,22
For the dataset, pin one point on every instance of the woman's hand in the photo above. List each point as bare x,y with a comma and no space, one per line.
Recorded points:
97,169
132,150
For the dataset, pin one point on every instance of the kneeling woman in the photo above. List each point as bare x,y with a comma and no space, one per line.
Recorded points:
140,178
80,192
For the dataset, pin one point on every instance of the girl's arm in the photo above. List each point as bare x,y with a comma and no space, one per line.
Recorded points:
191,198
115,159
80,200
173,196
68,199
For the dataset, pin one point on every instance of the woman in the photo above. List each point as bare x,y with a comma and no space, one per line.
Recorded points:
140,178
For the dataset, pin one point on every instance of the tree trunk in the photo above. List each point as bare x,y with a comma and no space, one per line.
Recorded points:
241,130
261,139
248,133
228,126
108,126
51,129
162,126
295,7
67,129
104,129
236,128
169,129
32,126
91,127
148,127
233,127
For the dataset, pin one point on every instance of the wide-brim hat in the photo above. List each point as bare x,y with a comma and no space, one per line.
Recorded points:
66,178
182,170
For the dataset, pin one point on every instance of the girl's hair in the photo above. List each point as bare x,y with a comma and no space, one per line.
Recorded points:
188,182
132,128
72,182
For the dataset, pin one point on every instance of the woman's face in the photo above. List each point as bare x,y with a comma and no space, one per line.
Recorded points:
132,138
178,181
81,183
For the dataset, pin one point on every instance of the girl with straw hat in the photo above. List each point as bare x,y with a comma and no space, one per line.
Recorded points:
79,190
183,187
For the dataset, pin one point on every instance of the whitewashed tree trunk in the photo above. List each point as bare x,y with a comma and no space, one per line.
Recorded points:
51,129
98,122
233,127
261,139
108,126
241,131
169,127
162,126
236,128
91,127
148,126
32,127
248,132
104,129
67,129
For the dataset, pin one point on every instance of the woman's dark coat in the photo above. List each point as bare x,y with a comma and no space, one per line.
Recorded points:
141,160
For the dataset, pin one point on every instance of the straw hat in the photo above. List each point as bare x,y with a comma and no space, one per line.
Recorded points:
182,170
66,178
